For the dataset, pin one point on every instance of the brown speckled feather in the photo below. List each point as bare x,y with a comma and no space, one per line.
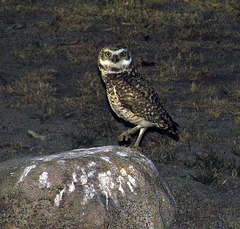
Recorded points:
136,95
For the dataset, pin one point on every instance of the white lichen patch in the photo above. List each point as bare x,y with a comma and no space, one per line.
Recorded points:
163,199
126,178
83,177
91,173
77,166
101,149
89,193
74,175
82,152
106,194
130,186
91,164
76,153
107,185
71,187
106,182
106,158
123,172
25,173
131,168
122,154
132,180
48,158
120,180
43,180
58,197
61,162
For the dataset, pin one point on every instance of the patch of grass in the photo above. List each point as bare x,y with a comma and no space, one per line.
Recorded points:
76,54
205,177
183,66
82,140
154,147
206,138
90,89
215,101
217,4
211,160
214,168
36,52
210,164
131,11
12,149
34,88
70,105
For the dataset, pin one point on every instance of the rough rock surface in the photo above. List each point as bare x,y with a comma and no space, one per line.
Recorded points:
102,187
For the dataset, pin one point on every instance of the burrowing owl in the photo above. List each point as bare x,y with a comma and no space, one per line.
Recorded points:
129,95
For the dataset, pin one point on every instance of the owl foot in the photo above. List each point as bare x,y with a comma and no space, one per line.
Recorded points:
125,136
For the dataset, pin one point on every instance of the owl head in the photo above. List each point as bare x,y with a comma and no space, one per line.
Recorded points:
115,59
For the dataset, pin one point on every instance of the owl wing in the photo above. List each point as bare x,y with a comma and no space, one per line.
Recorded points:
138,97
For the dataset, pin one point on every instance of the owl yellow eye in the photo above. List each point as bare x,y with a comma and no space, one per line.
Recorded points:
108,54
123,53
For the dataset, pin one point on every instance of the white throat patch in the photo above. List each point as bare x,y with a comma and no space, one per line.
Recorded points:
119,66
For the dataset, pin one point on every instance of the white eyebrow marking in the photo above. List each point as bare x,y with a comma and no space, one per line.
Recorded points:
118,51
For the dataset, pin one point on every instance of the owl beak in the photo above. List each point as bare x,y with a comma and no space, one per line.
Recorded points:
115,59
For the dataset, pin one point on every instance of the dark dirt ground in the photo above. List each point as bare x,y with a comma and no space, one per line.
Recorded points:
188,50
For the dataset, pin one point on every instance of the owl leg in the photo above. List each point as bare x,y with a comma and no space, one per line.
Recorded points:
141,133
126,135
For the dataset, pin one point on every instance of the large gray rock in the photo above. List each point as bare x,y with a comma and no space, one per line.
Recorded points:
105,187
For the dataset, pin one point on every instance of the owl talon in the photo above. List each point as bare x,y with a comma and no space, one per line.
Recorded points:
124,137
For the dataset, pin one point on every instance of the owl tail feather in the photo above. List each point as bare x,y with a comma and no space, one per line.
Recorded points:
173,128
